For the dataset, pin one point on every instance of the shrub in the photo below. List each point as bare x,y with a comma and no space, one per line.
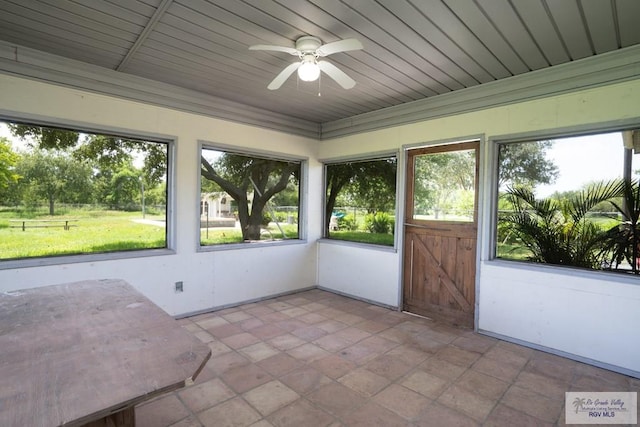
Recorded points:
347,222
380,223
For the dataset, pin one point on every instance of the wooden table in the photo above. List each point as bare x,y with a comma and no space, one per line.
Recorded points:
85,353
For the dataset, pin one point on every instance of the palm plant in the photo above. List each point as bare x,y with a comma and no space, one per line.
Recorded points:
557,231
621,241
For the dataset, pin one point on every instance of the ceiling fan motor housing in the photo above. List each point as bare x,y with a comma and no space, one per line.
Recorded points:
308,44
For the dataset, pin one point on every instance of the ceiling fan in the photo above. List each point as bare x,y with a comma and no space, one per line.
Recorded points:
309,49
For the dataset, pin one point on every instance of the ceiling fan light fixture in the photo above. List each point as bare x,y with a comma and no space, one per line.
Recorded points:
309,70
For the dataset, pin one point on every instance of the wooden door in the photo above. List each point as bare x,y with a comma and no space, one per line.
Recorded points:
440,233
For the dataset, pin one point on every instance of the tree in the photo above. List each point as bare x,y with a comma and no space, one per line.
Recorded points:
557,231
8,160
107,153
125,188
371,183
54,177
242,177
526,164
441,178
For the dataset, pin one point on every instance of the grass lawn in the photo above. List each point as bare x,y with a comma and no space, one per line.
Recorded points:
363,237
217,236
94,231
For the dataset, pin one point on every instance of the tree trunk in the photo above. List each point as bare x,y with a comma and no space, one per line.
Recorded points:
51,203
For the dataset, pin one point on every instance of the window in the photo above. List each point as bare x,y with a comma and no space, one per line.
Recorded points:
571,201
247,198
69,192
361,201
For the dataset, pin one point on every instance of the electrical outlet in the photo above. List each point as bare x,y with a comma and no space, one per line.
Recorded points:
179,286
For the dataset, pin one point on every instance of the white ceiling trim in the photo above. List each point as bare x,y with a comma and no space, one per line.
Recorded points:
616,66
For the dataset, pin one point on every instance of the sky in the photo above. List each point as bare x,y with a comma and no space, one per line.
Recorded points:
585,159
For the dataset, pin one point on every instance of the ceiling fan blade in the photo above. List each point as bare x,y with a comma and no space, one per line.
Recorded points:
339,46
289,50
283,76
337,74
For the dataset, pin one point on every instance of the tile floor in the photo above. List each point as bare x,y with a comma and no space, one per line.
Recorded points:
319,359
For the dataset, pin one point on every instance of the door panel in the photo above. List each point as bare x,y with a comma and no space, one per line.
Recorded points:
441,233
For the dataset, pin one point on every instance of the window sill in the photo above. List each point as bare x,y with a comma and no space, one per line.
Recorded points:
81,258
370,246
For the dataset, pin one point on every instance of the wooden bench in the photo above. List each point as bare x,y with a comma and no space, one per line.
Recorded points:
39,223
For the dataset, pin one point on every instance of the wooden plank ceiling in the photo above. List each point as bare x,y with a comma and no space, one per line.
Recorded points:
413,49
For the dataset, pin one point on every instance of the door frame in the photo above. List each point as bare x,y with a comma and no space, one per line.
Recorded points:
482,205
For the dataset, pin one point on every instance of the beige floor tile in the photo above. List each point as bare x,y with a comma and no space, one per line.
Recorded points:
333,366
309,333
336,399
305,380
496,369
280,364
218,348
270,397
190,421
240,340
373,415
436,415
236,316
426,384
161,412
364,382
442,368
404,402
482,384
458,356
467,402
534,404
227,361
205,395
332,343
232,413
286,342
244,378
308,352
504,416
301,413
258,351
321,359
267,331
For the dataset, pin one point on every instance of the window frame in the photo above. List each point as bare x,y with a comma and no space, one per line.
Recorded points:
492,202
249,152
170,224
397,208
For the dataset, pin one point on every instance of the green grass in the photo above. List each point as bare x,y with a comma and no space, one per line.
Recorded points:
96,231
363,237
233,235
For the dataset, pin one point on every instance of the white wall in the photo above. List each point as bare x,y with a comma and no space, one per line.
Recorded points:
367,273
211,279
535,306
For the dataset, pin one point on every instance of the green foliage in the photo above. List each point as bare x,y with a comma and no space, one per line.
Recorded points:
525,164
347,222
8,160
380,222
242,177
621,241
443,181
367,184
54,178
557,231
